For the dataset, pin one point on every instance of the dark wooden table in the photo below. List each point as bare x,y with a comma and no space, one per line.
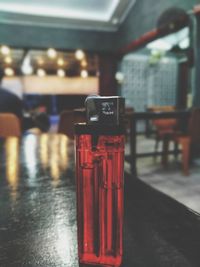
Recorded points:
38,212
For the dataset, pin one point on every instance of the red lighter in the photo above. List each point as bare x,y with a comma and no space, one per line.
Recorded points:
100,171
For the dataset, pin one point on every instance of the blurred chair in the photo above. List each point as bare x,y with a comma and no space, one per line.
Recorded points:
127,121
191,140
80,115
187,141
67,120
165,129
66,123
41,121
9,125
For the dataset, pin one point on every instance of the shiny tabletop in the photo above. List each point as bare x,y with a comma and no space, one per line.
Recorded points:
38,212
37,202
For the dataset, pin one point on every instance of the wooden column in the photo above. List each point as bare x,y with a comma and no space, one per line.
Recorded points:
183,84
197,62
107,71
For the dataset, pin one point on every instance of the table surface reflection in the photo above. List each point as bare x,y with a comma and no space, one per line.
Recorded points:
38,212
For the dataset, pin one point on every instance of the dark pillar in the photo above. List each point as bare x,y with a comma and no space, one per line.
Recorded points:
183,84
107,70
197,62
133,147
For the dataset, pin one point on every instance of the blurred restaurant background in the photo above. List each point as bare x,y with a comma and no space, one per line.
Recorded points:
53,54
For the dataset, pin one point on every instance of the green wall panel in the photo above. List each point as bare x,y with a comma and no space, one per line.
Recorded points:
43,37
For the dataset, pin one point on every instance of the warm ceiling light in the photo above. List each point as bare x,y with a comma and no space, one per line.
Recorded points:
119,76
41,72
61,73
26,67
5,50
79,54
60,62
51,52
40,61
8,60
9,72
84,74
83,63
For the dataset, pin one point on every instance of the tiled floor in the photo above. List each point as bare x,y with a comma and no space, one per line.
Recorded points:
170,180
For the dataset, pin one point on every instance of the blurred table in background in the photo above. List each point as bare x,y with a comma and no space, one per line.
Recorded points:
38,212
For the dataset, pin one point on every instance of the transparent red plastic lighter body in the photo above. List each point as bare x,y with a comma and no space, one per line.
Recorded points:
99,179
100,199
